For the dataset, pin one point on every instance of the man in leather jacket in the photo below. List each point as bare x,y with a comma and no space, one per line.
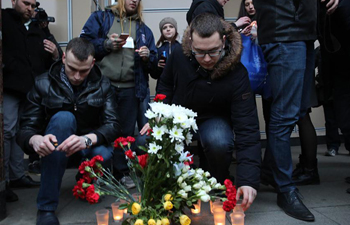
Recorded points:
74,106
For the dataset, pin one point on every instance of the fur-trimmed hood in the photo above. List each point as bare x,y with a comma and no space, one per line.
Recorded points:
233,50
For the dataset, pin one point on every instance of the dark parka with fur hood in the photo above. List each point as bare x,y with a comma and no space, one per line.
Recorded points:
223,92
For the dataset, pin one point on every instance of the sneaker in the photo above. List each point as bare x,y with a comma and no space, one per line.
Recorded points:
34,167
127,182
331,152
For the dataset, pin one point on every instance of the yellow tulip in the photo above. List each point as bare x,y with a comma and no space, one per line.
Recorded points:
168,205
135,208
138,222
168,197
165,221
185,220
151,222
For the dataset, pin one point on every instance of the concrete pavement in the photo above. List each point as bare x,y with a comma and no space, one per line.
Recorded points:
328,201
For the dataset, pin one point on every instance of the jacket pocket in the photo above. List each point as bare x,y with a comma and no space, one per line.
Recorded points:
96,102
52,103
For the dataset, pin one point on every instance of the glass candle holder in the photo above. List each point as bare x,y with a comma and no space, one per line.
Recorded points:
238,208
237,218
102,217
122,201
117,213
219,216
215,203
197,208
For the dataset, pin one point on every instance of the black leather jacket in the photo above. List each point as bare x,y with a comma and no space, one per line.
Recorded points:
94,109
286,20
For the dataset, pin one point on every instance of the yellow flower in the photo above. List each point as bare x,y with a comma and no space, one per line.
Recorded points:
151,222
159,222
138,222
135,208
184,220
168,205
168,197
165,221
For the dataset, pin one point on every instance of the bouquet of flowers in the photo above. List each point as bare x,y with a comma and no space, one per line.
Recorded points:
163,175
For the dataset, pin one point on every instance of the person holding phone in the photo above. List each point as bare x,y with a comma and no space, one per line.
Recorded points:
127,63
167,42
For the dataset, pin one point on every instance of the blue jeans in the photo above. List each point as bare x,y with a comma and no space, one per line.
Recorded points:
217,141
129,110
62,125
291,70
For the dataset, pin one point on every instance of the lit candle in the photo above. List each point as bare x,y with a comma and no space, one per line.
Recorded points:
219,216
102,217
117,213
197,208
237,218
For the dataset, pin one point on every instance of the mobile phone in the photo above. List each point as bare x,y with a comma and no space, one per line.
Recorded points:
124,36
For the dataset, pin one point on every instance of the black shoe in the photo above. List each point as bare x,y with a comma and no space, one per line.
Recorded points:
24,182
347,180
46,218
34,167
10,195
309,177
292,205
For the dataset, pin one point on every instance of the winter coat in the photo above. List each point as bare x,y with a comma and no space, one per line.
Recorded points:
223,92
286,20
94,109
24,56
204,6
96,29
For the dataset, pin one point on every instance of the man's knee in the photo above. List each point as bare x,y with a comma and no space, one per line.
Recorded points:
63,120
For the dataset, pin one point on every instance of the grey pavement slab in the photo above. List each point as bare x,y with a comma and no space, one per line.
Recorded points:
328,201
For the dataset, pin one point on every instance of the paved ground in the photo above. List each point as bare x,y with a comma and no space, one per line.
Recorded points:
328,201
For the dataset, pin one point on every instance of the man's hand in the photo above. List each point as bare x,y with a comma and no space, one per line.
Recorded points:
243,21
161,63
72,145
249,195
43,144
332,5
114,42
145,129
49,46
144,53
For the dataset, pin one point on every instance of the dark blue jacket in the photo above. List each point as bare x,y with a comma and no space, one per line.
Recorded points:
165,47
96,29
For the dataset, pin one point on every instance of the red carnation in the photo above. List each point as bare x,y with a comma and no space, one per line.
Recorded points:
120,141
91,196
82,167
159,97
149,132
231,196
143,160
228,183
78,190
130,154
227,206
130,139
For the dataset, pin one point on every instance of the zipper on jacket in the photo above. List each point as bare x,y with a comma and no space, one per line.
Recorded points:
75,106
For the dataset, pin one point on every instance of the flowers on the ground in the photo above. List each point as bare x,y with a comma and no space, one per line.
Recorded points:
163,175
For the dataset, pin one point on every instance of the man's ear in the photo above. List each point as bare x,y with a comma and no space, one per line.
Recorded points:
93,62
224,41
64,58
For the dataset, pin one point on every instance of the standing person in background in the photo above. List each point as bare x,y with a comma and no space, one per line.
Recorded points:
246,15
206,6
26,54
40,17
167,41
288,46
126,53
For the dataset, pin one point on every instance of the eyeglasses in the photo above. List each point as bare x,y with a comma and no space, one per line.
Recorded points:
201,54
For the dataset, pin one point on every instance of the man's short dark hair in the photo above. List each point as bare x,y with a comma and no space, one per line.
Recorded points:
81,48
206,24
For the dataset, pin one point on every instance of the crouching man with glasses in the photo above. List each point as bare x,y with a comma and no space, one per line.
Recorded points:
206,76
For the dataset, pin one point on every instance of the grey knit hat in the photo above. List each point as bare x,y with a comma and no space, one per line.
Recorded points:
167,20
